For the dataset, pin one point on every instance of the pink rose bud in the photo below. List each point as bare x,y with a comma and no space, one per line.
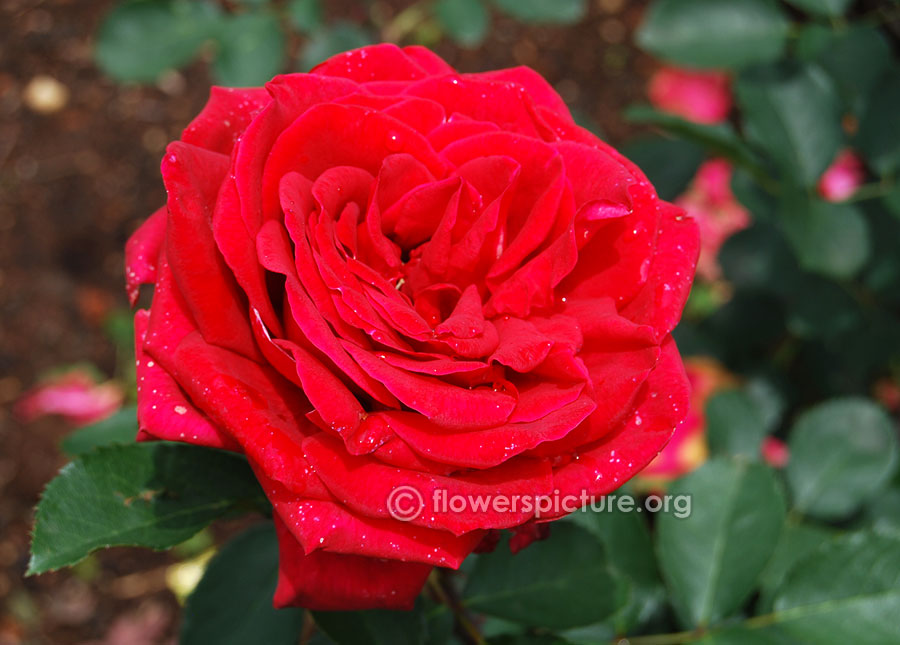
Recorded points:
775,452
74,395
841,179
699,96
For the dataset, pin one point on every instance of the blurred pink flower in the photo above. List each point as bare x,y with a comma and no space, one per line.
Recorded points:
841,179
74,395
711,203
775,452
699,96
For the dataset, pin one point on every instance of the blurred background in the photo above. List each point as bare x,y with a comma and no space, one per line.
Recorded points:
91,93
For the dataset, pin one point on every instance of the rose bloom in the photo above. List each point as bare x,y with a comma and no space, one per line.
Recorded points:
688,449
841,179
386,274
699,96
719,215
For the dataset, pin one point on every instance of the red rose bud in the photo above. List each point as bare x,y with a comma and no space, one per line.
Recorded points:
688,449
74,395
387,277
841,179
887,393
719,215
699,96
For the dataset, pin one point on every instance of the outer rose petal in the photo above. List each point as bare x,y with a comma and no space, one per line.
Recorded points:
224,118
323,581
142,254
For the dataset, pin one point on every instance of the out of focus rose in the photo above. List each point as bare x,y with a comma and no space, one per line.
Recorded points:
74,395
711,203
699,96
687,450
887,392
775,452
841,179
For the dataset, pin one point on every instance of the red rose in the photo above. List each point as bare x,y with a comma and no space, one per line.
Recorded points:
386,276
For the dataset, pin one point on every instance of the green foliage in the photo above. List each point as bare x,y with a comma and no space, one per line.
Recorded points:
465,21
232,603
251,49
559,11
713,33
119,428
147,494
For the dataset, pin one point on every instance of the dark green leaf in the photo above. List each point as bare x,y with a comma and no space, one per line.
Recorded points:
374,627
844,592
793,114
796,542
712,33
855,58
879,128
829,239
145,494
305,15
712,559
762,205
562,12
139,40
734,424
465,21
119,428
232,604
626,536
561,582
669,164
720,139
842,452
822,7
328,41
251,50
820,308
758,258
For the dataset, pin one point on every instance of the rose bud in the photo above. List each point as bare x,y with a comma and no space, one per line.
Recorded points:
699,96
74,395
385,276
841,179
719,215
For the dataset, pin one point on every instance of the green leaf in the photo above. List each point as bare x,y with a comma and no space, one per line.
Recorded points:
844,592
305,15
626,536
328,41
252,49
232,604
562,12
842,452
822,7
855,58
820,308
879,128
713,33
796,542
374,627
712,559
139,40
558,583
758,258
734,425
829,239
145,494
720,139
119,428
465,21
747,190
793,114
669,164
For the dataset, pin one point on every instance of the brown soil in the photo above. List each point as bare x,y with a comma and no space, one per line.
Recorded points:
76,182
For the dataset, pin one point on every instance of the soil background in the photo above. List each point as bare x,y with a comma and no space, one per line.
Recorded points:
74,183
